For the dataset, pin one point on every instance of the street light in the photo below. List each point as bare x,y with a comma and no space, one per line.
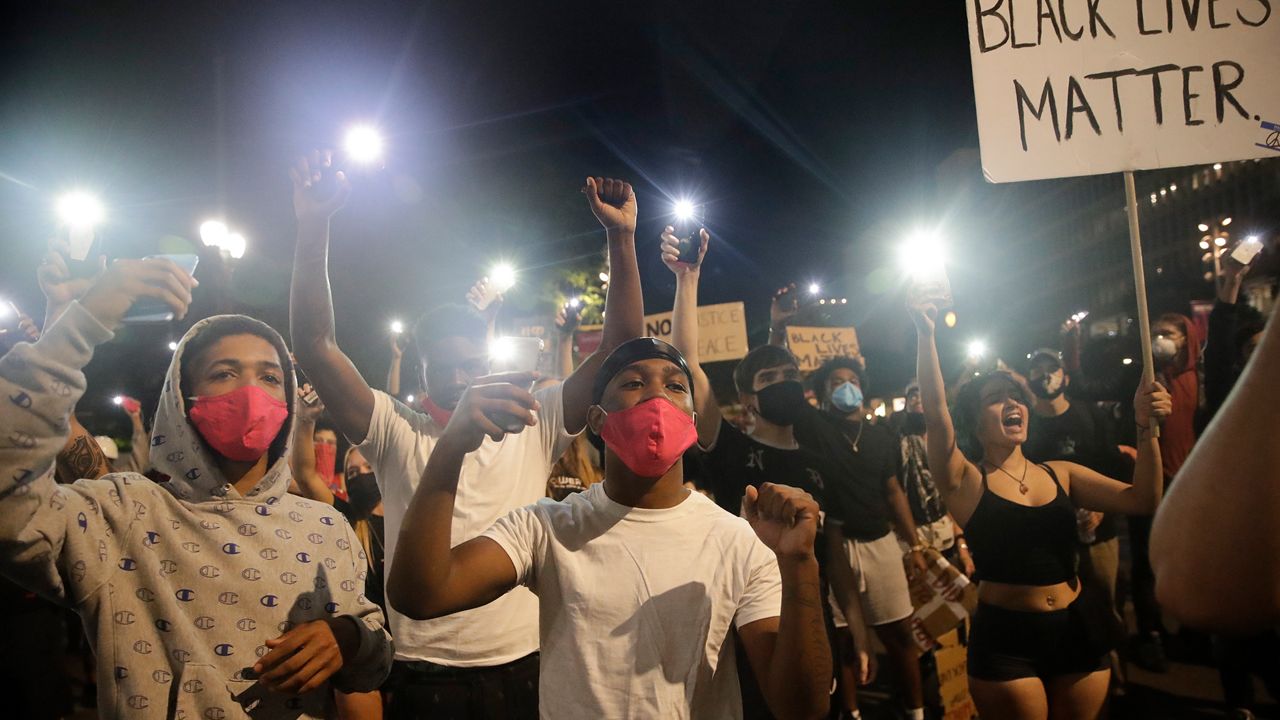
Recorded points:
814,288
213,233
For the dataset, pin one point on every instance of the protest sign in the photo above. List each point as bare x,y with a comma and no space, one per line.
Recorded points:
813,346
722,331
1084,87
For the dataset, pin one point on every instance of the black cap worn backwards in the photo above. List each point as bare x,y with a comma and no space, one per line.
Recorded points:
633,351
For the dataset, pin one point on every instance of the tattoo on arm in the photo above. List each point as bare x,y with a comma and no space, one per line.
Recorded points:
81,458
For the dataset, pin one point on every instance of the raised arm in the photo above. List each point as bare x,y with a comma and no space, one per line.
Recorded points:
566,322
1095,491
1213,543
428,578
784,306
57,540
957,478
311,326
614,204
393,368
684,331
303,459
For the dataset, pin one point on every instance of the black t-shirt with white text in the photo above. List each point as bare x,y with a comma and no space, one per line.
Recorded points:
738,460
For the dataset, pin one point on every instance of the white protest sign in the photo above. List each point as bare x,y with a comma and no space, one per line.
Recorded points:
722,331
1084,87
813,346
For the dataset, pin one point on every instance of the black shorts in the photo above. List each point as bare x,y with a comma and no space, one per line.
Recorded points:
1012,644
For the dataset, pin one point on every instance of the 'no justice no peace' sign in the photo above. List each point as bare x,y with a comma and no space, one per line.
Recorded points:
1083,87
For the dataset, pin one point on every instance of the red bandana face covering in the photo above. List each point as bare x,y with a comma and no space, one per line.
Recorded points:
326,461
650,437
239,425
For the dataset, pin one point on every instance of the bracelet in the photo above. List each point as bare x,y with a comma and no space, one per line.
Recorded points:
917,548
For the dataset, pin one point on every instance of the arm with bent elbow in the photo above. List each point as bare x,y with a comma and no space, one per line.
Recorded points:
428,578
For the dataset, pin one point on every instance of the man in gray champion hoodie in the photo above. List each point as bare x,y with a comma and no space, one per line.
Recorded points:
209,596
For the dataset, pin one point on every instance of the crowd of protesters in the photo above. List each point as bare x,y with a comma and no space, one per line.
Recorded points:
607,540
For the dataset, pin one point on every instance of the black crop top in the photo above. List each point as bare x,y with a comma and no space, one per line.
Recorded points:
1023,545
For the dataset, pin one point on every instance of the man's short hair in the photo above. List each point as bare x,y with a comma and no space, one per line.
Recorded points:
818,381
765,356
448,320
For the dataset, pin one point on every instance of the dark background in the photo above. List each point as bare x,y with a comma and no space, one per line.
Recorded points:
810,132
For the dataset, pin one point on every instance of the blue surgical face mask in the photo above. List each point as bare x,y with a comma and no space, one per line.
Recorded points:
847,397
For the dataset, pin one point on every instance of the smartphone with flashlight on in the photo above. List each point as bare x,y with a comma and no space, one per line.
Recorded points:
514,354
930,287
1247,250
150,310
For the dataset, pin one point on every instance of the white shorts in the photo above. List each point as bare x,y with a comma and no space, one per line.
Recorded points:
881,580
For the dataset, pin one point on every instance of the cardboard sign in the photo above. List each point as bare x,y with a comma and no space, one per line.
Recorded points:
722,332
943,598
1083,87
953,681
813,346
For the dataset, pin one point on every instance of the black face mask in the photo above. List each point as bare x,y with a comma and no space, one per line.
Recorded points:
1040,386
362,493
782,403
914,424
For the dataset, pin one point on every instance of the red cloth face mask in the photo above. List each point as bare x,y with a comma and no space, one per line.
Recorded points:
241,424
650,437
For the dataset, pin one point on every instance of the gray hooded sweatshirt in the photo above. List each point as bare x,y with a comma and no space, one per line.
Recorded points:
179,583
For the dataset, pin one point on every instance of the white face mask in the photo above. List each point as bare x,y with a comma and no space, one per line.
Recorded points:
1163,349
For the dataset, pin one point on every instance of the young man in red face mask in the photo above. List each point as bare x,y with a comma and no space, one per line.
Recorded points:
212,593
641,581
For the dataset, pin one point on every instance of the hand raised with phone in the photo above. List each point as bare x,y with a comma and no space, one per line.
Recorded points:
125,282
484,407
671,251
613,202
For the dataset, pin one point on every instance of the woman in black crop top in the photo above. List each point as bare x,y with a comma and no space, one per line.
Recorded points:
1029,650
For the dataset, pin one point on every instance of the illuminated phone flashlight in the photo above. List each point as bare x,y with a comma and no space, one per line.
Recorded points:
79,209
684,210
6,309
575,302
922,255
976,349
363,144
117,400
814,288
397,327
503,276
173,346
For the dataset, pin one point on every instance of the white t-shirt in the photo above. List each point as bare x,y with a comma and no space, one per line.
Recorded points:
636,605
497,478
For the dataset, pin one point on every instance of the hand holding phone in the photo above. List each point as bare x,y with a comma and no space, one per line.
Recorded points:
148,310
514,355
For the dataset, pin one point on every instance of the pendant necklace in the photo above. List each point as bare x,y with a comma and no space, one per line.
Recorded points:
1022,481
855,441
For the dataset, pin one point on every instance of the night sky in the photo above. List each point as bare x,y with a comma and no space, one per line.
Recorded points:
810,132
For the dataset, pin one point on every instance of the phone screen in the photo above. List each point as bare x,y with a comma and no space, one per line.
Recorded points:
149,310
1246,251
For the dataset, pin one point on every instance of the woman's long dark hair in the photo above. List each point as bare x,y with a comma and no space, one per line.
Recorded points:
968,405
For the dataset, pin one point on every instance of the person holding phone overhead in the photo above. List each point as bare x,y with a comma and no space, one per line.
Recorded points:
192,604
440,663
1031,653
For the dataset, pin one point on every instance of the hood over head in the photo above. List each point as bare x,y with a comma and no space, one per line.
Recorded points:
178,450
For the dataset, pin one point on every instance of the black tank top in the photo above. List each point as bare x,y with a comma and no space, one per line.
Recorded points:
1022,545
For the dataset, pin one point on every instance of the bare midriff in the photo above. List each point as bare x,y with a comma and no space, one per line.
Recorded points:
1029,598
